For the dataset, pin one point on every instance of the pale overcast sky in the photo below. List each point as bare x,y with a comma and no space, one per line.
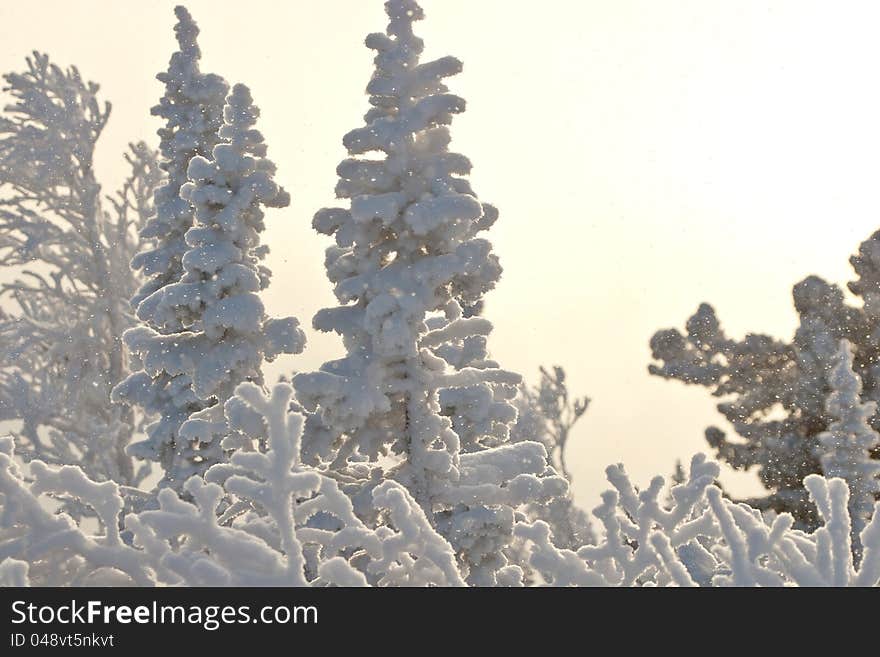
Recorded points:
645,156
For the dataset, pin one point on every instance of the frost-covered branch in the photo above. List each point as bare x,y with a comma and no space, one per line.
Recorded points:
67,302
549,404
547,413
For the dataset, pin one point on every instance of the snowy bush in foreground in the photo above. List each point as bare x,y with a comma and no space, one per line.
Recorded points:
265,519
67,252
704,539
260,520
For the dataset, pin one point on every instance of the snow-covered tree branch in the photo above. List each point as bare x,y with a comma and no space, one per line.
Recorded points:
703,539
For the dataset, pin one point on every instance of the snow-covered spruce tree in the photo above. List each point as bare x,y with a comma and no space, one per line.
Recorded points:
773,392
192,111
226,332
844,450
406,260
67,250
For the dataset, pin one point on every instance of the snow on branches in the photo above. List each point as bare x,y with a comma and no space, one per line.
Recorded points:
405,248
413,460
547,413
192,109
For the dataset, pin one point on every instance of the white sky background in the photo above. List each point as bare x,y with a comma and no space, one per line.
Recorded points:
645,156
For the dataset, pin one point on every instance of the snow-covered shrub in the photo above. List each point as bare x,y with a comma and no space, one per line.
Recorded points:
226,333
703,539
773,392
66,250
192,111
58,551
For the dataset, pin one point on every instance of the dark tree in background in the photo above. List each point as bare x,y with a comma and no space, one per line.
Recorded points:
774,392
